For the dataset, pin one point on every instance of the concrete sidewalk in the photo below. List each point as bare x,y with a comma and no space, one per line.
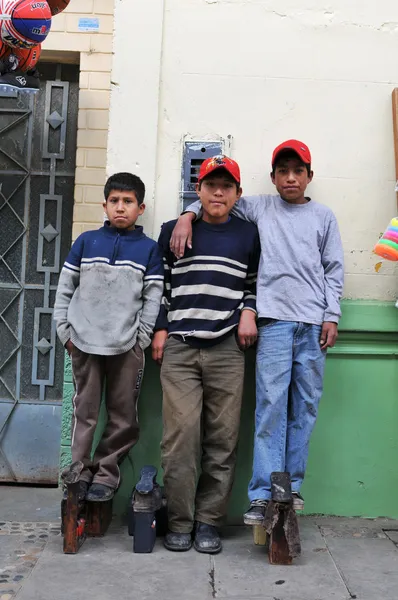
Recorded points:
342,559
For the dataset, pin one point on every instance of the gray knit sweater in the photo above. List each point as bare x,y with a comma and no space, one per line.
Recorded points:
109,291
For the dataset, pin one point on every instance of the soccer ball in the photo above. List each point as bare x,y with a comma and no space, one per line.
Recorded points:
57,6
24,23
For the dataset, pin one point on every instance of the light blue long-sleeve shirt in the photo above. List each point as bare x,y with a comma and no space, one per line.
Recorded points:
301,272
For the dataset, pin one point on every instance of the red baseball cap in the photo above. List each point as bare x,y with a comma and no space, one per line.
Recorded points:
219,162
295,146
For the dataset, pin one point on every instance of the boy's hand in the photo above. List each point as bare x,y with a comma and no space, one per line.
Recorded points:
329,335
247,329
69,347
182,234
158,342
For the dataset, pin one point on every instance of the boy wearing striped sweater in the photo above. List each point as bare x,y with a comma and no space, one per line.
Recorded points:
106,306
207,319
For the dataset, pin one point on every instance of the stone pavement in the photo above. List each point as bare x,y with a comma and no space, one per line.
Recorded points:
342,559
28,518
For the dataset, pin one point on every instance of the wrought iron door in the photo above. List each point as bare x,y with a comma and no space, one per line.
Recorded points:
37,164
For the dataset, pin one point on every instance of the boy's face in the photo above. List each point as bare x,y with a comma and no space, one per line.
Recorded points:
123,209
291,179
218,193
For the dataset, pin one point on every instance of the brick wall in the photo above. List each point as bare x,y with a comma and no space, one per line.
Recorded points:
94,52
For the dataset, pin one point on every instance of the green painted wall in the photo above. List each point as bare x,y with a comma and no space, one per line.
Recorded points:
354,450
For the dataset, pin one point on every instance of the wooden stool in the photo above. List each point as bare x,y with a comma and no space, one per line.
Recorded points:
281,523
279,530
279,552
73,511
81,519
99,517
259,535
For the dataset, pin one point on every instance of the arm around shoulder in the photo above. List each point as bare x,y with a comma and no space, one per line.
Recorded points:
249,208
181,236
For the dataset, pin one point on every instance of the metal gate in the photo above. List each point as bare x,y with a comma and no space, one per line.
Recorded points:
37,165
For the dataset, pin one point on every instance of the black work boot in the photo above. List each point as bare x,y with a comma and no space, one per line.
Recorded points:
98,492
207,539
177,542
255,514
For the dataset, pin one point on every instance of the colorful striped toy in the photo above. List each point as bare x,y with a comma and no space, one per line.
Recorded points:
387,246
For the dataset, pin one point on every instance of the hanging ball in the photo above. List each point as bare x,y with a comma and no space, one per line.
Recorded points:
57,6
27,57
24,23
4,50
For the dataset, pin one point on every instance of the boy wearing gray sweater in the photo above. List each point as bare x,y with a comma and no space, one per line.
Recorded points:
106,306
299,286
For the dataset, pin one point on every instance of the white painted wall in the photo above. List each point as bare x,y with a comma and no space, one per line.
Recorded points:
264,71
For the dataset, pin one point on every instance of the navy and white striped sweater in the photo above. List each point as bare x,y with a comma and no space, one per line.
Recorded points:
109,291
206,290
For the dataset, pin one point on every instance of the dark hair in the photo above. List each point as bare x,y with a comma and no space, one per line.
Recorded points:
218,172
287,155
125,182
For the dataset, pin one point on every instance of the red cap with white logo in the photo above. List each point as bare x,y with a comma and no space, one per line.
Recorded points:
219,162
295,146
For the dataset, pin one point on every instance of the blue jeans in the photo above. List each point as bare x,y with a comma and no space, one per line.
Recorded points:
289,380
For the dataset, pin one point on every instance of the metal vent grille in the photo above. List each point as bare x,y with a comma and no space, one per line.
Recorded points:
194,154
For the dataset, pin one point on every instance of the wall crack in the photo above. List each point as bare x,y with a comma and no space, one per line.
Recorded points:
212,577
